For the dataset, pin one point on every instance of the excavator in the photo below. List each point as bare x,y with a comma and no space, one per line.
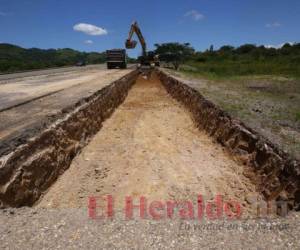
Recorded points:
147,58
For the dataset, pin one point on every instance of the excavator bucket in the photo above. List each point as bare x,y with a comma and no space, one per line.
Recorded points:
130,44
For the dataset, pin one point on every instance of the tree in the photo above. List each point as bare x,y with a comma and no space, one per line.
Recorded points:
226,48
246,48
174,53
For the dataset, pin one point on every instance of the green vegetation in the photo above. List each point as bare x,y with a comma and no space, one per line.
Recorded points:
297,116
14,58
227,62
260,86
174,53
268,104
249,60
245,60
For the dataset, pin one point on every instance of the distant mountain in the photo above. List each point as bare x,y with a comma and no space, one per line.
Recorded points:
14,58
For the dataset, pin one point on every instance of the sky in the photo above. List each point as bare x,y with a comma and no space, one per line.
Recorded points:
97,25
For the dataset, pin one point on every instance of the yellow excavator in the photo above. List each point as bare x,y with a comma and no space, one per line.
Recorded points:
147,58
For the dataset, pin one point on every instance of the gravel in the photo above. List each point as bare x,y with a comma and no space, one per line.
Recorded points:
35,228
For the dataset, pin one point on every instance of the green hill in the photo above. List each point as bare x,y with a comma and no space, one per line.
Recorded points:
14,58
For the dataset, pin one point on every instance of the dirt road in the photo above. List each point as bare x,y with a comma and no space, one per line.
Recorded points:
150,147
23,87
28,102
5,78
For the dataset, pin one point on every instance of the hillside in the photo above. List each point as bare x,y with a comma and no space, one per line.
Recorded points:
14,58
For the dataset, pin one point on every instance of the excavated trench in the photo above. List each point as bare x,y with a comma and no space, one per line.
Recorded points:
150,146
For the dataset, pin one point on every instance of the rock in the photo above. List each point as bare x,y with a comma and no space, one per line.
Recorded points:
97,170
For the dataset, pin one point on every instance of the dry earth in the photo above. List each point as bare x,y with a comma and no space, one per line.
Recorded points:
31,101
150,147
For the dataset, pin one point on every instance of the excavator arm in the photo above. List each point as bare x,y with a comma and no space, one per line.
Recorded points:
147,58
131,44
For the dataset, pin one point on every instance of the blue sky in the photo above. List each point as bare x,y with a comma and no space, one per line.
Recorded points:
50,23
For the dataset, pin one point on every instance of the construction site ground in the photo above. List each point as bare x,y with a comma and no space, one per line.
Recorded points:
28,100
149,147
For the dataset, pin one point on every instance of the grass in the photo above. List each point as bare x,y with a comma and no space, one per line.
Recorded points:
236,71
269,103
297,115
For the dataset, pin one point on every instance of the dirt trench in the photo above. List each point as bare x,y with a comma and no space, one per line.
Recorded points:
154,137
29,168
151,147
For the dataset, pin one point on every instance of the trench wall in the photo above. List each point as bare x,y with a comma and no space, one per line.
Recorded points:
31,168
277,175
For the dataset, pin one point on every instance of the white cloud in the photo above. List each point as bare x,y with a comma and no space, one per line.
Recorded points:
195,15
88,42
273,25
90,29
278,46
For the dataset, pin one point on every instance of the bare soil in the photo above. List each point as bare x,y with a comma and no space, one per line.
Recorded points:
150,147
21,89
32,101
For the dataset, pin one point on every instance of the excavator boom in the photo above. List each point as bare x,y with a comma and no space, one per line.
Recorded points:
131,44
147,58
